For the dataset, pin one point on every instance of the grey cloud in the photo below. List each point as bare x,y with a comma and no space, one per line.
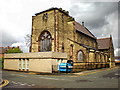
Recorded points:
118,40
7,39
97,17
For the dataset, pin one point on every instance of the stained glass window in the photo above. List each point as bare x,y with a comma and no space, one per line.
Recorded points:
45,41
80,56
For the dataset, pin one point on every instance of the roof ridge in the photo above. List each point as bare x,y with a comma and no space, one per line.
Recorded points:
89,31
103,38
53,8
85,29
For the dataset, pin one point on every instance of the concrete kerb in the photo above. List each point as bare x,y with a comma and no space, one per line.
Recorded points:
87,72
74,74
4,83
92,71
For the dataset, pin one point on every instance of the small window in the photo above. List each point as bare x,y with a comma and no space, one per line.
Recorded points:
45,17
62,47
80,56
71,51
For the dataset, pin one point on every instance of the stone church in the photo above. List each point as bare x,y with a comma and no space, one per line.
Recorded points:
57,38
54,30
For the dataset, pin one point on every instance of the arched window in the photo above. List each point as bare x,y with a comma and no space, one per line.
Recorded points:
71,52
45,41
80,56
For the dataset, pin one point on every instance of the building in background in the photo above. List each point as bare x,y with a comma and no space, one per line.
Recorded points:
4,50
117,60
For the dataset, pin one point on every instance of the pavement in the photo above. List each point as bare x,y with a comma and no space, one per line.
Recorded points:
85,79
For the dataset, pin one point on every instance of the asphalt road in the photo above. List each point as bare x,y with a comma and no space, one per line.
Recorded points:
96,79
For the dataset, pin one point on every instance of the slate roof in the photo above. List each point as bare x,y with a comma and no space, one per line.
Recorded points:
103,43
83,30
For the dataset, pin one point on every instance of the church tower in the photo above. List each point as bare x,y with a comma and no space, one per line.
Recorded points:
48,30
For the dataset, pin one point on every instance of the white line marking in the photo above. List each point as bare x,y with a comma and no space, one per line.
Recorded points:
19,82
22,75
29,85
19,75
22,84
14,82
54,79
25,83
116,74
33,84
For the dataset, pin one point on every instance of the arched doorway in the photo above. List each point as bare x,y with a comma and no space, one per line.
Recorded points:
80,56
45,41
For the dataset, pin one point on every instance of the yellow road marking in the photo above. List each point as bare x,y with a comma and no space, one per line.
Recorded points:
5,83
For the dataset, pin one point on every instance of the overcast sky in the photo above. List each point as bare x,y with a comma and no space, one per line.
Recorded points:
101,18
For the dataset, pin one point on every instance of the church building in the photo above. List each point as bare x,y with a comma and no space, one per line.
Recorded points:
54,30
57,38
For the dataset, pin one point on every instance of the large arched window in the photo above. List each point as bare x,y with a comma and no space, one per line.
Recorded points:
80,56
45,41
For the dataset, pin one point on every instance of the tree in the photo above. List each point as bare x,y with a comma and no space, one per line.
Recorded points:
14,50
28,40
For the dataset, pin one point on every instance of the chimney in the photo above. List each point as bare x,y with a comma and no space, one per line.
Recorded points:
83,24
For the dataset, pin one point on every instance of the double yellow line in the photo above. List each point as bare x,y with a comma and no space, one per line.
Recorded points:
5,82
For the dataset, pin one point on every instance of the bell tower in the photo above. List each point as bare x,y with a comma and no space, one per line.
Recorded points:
48,29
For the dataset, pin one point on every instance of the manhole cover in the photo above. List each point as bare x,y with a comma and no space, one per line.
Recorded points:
83,81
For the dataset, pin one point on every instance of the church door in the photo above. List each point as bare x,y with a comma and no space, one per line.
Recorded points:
45,41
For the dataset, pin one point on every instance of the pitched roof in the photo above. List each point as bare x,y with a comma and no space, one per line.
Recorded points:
53,8
103,43
83,30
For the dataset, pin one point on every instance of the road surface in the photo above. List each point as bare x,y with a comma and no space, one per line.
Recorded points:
104,78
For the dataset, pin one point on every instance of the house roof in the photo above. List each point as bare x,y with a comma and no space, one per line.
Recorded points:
117,57
2,50
103,43
83,30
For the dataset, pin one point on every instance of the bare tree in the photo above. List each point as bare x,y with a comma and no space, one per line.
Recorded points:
28,40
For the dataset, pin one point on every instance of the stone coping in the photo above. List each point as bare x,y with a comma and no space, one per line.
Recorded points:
58,55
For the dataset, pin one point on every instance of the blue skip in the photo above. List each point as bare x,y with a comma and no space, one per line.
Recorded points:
65,67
